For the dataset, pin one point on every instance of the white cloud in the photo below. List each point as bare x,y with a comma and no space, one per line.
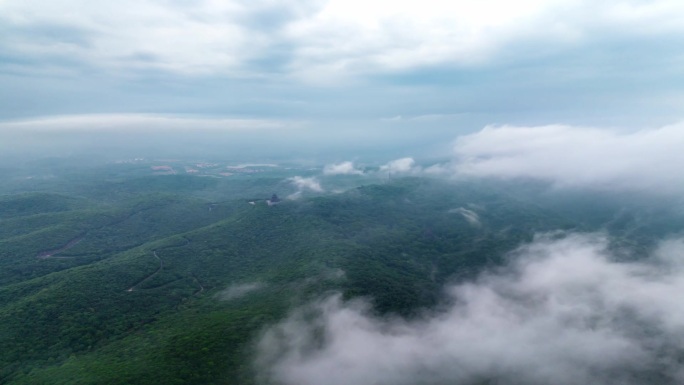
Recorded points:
137,34
371,36
324,40
564,312
343,168
304,184
469,215
400,166
645,160
368,36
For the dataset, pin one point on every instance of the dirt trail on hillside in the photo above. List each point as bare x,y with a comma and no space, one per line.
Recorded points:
201,288
50,253
161,266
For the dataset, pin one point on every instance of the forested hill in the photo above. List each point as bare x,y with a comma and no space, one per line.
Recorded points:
171,286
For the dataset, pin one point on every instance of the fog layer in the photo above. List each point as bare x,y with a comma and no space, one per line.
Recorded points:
645,160
565,311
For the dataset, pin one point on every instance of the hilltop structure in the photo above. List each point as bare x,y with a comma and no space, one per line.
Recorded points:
274,200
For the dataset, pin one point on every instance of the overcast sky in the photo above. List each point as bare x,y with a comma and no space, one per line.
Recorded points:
442,67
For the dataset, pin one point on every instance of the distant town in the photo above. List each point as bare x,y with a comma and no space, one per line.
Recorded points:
209,169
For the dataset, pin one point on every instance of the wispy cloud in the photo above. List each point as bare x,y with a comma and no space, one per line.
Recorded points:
136,122
564,312
238,291
469,215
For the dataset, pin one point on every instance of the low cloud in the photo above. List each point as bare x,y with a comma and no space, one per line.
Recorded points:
564,312
401,166
468,215
645,160
239,291
344,168
304,184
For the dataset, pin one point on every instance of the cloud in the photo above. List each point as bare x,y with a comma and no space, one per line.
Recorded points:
422,118
468,215
175,36
312,39
124,122
239,290
644,160
372,37
343,168
542,61
563,312
304,184
399,166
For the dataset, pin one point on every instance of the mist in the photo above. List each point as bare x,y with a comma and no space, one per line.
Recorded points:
646,160
237,291
241,138
567,309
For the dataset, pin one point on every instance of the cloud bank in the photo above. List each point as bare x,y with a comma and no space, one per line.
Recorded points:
565,312
139,122
343,168
645,160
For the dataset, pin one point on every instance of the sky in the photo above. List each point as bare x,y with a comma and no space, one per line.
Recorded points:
417,71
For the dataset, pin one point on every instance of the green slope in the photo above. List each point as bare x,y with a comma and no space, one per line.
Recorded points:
145,297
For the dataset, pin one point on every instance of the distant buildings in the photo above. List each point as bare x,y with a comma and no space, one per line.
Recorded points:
163,170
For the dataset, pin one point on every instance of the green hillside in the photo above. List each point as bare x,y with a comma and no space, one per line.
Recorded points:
167,287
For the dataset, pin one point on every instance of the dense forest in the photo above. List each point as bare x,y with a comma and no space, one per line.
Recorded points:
118,277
